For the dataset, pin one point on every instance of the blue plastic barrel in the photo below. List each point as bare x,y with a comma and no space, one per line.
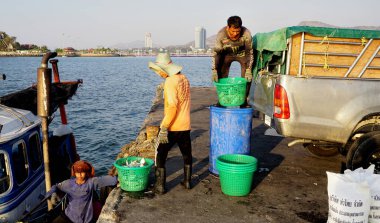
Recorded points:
230,133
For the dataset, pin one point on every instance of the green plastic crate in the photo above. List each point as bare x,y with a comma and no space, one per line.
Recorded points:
231,91
236,173
133,178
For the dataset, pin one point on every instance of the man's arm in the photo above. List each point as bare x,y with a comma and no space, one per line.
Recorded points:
104,181
52,190
218,48
171,102
249,49
58,187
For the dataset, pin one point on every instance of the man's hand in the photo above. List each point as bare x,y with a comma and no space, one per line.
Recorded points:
163,135
112,171
55,199
248,75
232,49
214,76
235,49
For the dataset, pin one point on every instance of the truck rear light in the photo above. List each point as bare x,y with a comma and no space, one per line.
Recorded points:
281,103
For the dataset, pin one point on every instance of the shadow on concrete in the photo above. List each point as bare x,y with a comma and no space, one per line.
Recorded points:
196,175
199,108
261,148
195,134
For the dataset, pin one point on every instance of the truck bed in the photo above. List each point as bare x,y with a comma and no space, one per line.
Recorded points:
321,108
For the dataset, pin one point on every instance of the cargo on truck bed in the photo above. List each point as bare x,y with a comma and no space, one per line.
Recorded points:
317,51
320,86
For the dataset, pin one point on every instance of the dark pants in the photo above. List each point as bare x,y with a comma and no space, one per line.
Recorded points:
182,138
62,218
223,63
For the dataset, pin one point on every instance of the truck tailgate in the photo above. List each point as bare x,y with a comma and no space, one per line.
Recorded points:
261,94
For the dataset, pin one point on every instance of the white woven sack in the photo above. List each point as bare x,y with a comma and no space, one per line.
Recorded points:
349,201
373,180
374,213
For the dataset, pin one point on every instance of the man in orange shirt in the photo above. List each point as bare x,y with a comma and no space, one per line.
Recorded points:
175,126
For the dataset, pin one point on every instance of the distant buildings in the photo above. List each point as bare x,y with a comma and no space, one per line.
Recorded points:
148,40
200,38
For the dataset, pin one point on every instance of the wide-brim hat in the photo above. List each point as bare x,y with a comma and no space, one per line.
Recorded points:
164,64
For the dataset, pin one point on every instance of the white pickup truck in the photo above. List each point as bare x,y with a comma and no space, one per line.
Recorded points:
321,86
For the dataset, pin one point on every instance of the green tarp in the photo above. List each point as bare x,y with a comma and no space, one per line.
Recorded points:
269,46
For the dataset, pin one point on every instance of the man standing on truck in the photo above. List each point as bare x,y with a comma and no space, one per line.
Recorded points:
233,43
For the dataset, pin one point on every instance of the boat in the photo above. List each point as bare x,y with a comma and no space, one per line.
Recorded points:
22,171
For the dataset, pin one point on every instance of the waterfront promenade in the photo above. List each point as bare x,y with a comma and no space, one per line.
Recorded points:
114,54
290,184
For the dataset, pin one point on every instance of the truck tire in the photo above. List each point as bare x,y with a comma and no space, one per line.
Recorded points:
368,125
364,152
321,151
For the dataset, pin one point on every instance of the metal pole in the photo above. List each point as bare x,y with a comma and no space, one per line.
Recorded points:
290,42
43,110
43,98
57,79
369,62
357,58
301,55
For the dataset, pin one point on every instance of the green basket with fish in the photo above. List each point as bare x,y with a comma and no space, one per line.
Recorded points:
231,91
133,178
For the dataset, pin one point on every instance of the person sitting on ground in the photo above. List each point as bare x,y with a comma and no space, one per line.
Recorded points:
175,126
79,190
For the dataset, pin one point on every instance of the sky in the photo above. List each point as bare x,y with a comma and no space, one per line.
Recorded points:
102,23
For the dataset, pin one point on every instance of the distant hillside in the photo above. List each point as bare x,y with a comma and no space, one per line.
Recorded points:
131,45
210,41
316,23
321,24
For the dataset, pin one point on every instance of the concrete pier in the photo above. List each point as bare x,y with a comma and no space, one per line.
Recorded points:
290,184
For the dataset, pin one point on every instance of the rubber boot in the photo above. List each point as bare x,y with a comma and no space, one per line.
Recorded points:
186,183
159,186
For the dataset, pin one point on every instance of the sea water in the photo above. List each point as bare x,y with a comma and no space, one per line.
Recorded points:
109,108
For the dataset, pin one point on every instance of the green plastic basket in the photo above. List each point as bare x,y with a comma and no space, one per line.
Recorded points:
231,91
239,162
133,178
236,173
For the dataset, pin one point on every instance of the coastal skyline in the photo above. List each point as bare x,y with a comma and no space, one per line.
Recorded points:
102,23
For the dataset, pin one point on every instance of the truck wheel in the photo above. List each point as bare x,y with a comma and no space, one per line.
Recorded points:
364,152
320,150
